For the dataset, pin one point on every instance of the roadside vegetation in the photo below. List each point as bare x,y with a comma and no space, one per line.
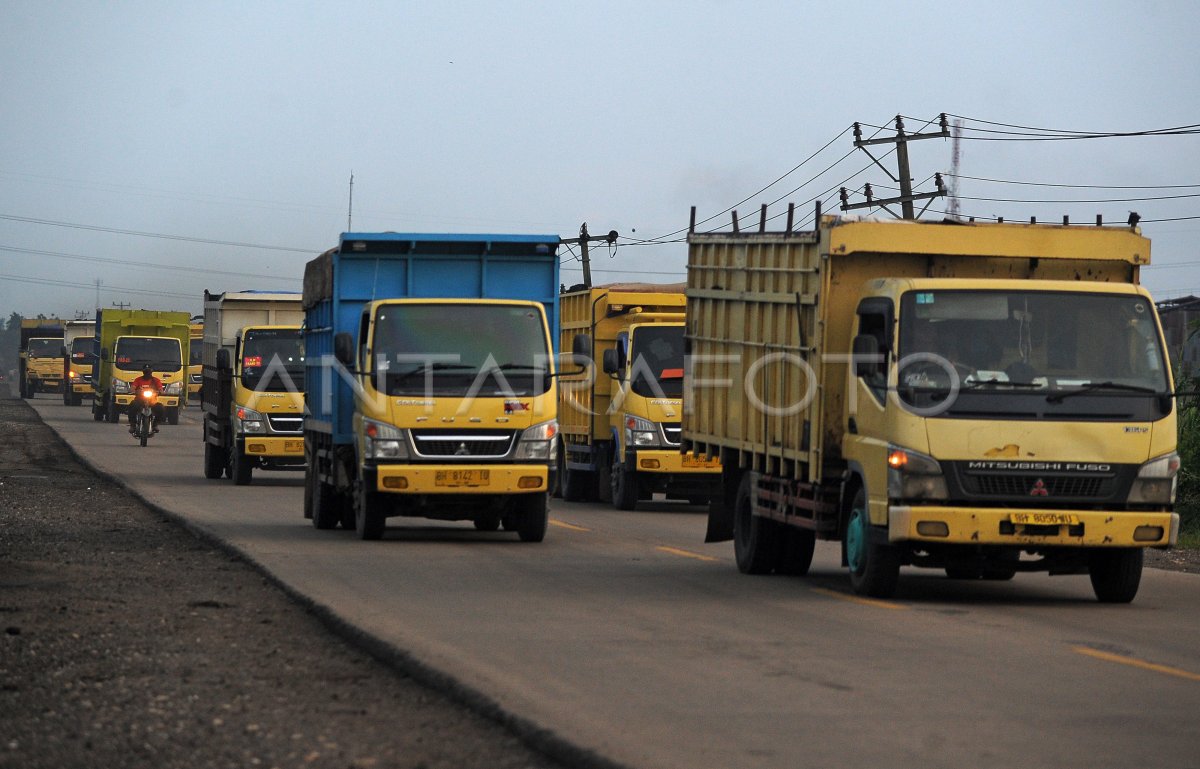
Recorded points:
1188,494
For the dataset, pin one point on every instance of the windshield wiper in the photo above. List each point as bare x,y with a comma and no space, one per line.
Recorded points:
1000,383
424,368
1059,396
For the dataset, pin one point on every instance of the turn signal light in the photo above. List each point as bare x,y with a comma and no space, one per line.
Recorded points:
395,483
1147,533
650,464
529,482
933,529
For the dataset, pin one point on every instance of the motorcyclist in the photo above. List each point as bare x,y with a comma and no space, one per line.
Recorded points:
146,381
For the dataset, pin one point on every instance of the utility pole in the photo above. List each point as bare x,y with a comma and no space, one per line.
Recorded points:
350,208
906,197
582,241
97,293
121,305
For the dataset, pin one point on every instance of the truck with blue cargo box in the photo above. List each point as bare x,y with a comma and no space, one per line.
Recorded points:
430,389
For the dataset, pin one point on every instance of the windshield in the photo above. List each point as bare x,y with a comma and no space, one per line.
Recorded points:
45,348
134,352
273,360
1031,352
657,361
461,349
81,351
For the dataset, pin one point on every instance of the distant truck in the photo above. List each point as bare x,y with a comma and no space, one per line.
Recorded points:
620,426
79,359
985,399
40,364
253,393
195,370
128,340
442,400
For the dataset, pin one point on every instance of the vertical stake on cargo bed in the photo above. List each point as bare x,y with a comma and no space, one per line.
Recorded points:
692,222
735,220
817,216
762,219
791,215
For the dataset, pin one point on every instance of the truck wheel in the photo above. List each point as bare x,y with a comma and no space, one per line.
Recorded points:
756,540
112,413
369,520
214,461
577,485
624,488
173,416
533,516
874,567
487,522
1116,573
796,553
97,411
240,468
325,513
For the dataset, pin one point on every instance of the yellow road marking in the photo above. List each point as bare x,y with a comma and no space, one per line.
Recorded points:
686,553
571,526
858,599
1137,663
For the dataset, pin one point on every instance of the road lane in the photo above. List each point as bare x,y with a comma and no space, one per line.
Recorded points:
623,632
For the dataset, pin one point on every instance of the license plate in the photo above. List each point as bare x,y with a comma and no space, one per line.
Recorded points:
462,478
1044,519
690,460
296,446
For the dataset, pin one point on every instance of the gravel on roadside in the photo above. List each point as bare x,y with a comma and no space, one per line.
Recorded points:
126,641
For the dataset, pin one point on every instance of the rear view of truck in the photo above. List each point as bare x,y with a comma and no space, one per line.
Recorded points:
253,389
430,387
620,420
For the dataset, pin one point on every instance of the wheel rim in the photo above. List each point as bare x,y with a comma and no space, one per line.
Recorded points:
856,539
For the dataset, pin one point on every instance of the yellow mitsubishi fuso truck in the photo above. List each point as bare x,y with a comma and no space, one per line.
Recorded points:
41,357
983,399
431,388
125,342
253,392
620,425
79,359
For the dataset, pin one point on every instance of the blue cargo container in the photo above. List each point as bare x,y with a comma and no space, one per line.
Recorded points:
367,266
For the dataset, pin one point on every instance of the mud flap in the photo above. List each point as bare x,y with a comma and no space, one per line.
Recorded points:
722,505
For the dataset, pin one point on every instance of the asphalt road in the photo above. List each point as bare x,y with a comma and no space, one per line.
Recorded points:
624,634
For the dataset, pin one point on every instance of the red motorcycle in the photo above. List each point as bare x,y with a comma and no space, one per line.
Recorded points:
143,414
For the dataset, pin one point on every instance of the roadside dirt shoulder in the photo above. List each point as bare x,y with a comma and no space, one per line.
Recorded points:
125,641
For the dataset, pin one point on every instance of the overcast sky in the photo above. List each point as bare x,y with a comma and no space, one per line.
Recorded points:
242,122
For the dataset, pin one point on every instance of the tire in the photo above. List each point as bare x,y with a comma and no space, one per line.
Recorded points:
143,437
325,512
214,462
369,520
97,411
624,488
577,485
796,553
756,540
241,470
532,516
112,413
1116,573
488,522
173,416
604,471
874,567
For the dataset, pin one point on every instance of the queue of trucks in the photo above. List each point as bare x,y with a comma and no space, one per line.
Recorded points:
982,399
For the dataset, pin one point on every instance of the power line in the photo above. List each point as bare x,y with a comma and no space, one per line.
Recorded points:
149,265
1107,200
95,228
1080,134
1079,186
92,286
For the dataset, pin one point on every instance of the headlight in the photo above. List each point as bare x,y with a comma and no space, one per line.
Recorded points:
252,421
538,442
1155,482
640,432
914,476
120,386
175,388
383,441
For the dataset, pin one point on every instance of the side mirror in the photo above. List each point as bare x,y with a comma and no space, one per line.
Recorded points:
103,353
612,362
581,349
867,356
224,360
64,352
343,349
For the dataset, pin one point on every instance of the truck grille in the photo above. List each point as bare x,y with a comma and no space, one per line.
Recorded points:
1052,486
288,424
672,433
459,444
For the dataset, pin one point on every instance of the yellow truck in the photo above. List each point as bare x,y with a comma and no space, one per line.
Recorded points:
195,360
620,426
128,340
253,393
78,360
40,364
984,399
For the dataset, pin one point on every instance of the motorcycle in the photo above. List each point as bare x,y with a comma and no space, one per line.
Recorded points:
143,415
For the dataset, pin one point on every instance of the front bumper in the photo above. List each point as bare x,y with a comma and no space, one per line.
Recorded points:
81,387
167,401
1008,526
674,462
272,446
461,479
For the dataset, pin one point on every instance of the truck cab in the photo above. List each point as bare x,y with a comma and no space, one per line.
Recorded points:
80,360
164,355
195,378
43,365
